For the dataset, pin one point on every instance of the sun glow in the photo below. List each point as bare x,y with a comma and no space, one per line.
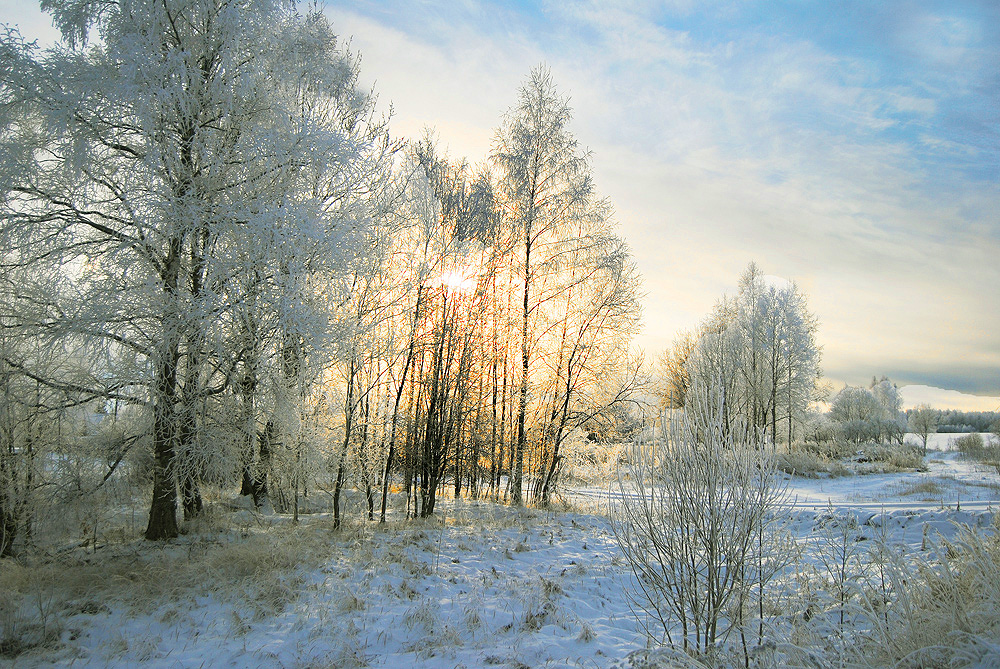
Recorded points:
460,280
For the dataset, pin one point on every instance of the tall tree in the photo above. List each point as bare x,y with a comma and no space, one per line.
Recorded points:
172,140
545,189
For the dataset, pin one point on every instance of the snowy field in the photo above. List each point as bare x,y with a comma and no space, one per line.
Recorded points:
481,585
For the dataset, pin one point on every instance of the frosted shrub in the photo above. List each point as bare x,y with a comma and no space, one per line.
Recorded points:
895,458
971,445
809,464
974,447
697,519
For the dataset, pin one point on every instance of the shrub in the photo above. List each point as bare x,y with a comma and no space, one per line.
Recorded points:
974,447
831,450
894,458
698,522
809,464
970,445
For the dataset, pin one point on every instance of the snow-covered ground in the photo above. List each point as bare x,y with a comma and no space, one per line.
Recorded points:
949,482
481,585
488,586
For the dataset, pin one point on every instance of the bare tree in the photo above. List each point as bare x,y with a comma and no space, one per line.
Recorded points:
545,186
924,421
698,519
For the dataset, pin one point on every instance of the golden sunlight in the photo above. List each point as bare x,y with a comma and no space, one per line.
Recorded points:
460,280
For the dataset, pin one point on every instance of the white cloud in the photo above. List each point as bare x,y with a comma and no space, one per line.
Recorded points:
459,87
718,153
939,398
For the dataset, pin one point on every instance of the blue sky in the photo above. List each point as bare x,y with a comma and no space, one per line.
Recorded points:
853,147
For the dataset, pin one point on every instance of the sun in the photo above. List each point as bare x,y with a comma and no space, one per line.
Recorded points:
458,280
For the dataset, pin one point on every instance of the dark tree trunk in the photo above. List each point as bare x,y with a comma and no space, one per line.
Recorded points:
190,493
193,505
163,510
8,532
392,430
338,484
258,481
8,515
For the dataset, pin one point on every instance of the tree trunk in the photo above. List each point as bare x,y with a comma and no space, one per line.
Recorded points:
258,480
395,414
163,510
8,502
190,493
522,407
338,484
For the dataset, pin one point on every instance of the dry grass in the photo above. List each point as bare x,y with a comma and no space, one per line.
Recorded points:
256,570
945,609
810,464
886,459
928,490
813,462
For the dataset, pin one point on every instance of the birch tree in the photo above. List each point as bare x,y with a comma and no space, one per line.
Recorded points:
760,348
545,188
169,142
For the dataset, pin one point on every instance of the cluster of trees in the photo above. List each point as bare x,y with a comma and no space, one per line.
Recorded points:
953,420
869,415
212,245
759,350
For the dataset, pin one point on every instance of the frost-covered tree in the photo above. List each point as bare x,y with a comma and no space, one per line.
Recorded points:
760,349
855,411
147,161
546,190
924,421
892,425
869,414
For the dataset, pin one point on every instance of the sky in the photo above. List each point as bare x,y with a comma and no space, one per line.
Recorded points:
852,147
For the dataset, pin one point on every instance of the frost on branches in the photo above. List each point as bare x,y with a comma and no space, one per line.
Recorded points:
197,172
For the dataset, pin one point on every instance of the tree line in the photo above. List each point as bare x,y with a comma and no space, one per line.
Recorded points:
219,268
953,420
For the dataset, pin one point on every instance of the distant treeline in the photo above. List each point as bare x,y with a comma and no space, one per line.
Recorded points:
951,420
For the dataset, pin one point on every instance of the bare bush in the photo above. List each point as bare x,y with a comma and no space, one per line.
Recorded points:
893,458
809,464
973,447
698,520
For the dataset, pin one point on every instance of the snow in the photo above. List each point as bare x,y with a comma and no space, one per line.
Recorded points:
480,585
489,586
949,482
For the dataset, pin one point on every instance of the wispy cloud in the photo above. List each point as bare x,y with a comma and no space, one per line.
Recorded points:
849,150
852,147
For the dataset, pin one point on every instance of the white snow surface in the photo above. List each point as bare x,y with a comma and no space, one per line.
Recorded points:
488,586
